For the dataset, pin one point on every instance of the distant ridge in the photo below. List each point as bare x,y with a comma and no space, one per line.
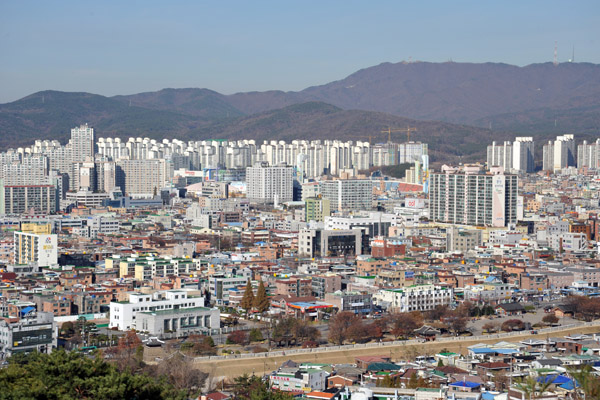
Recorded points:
541,100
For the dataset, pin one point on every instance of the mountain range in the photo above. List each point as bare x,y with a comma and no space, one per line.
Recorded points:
458,108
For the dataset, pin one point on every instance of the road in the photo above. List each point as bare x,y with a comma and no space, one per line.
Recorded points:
235,367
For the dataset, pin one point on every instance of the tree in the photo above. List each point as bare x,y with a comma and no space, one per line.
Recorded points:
437,313
550,319
261,301
181,374
237,337
247,387
586,308
255,335
533,387
587,382
200,345
62,375
490,327
129,352
513,325
404,324
340,324
248,298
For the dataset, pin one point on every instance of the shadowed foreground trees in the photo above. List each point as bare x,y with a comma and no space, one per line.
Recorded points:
63,375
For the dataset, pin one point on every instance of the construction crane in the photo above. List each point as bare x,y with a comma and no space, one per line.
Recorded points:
408,130
370,136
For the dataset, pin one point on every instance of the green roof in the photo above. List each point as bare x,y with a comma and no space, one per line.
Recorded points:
172,311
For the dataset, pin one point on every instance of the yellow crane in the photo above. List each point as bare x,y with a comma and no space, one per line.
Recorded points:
408,130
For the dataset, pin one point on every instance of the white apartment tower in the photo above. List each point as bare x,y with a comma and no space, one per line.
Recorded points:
523,154
269,184
470,197
588,155
82,143
500,155
564,152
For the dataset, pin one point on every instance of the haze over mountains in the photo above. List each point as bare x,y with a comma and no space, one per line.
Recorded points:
540,100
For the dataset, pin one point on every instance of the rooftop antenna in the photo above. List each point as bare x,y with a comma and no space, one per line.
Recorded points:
555,53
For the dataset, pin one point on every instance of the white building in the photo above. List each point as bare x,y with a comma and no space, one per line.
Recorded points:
468,196
41,250
268,184
123,315
348,194
414,298
588,155
523,154
500,155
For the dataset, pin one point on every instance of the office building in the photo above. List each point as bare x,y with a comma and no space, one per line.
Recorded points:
329,243
470,197
348,194
30,331
523,154
269,184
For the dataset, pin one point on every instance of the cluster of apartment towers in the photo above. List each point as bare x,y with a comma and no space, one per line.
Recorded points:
558,154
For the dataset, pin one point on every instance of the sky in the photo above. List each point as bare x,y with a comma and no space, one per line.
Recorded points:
125,47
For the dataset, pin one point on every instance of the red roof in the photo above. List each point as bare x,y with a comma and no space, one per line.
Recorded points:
217,396
320,395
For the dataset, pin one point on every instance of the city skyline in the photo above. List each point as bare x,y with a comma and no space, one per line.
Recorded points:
124,49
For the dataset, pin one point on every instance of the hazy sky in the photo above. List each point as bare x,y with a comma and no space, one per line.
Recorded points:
124,47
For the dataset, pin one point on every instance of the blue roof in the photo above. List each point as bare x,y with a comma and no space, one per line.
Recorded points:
467,384
27,310
555,379
483,350
488,396
506,351
568,386
304,304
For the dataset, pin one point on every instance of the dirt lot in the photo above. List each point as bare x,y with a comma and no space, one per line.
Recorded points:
236,367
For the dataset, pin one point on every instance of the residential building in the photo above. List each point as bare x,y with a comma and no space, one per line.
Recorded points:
39,249
523,154
31,331
414,298
348,194
316,209
269,184
468,196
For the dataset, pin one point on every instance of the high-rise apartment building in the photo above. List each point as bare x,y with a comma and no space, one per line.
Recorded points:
40,249
348,194
20,199
523,154
142,178
500,155
82,143
268,184
564,152
548,156
588,155
470,197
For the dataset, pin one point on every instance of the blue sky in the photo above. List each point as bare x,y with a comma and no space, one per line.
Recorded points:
124,47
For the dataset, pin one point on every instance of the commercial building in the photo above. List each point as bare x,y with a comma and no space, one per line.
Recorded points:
468,196
269,184
30,331
348,194
179,322
326,243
